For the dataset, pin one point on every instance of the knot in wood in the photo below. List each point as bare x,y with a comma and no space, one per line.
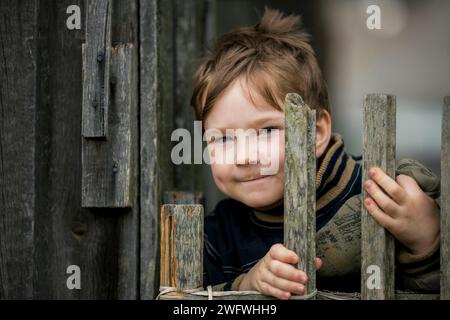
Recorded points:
115,167
100,56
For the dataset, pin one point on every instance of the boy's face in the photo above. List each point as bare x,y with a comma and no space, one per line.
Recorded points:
245,179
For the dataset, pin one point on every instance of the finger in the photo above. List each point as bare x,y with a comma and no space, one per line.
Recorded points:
287,271
408,183
269,290
282,284
381,198
382,218
319,263
392,188
280,252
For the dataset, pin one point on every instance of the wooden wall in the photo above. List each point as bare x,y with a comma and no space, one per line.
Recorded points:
43,227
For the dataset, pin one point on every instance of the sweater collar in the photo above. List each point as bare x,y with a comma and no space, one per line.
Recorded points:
333,174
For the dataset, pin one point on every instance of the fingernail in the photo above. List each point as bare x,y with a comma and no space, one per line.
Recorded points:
368,202
299,289
301,279
372,172
368,184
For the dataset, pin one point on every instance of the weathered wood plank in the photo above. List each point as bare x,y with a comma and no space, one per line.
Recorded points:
125,29
377,244
183,197
163,120
445,201
59,223
18,108
103,245
149,176
182,246
187,49
96,58
102,242
211,22
107,165
300,191
156,168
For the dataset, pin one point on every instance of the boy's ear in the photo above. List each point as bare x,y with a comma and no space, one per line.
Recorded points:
323,132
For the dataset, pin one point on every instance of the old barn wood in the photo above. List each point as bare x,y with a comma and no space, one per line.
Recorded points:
84,136
377,246
182,246
86,118
300,186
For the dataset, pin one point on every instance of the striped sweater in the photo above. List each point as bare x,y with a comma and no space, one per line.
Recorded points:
237,236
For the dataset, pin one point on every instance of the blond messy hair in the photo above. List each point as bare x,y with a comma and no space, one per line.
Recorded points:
274,56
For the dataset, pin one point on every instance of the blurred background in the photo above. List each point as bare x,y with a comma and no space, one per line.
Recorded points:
408,57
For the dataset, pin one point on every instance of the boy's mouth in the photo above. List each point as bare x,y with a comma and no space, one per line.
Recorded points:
255,178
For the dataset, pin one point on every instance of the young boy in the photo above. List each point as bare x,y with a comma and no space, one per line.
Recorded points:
242,85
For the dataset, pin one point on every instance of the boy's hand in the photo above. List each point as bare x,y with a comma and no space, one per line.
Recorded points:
402,208
275,275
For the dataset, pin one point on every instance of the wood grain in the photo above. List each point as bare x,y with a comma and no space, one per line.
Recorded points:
182,246
300,190
183,197
107,165
156,115
18,109
377,244
96,58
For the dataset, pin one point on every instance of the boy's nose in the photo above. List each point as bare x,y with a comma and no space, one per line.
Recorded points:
247,152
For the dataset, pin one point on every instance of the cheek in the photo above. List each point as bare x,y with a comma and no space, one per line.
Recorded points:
281,152
222,175
273,155
278,157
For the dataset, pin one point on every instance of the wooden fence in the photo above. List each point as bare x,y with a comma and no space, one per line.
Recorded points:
60,126
82,177
182,224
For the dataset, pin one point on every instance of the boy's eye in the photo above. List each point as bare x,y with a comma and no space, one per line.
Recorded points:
268,129
223,139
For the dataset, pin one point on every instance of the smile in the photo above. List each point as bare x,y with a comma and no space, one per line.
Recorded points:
256,179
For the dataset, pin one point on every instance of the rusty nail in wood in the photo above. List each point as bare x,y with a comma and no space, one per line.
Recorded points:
100,57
